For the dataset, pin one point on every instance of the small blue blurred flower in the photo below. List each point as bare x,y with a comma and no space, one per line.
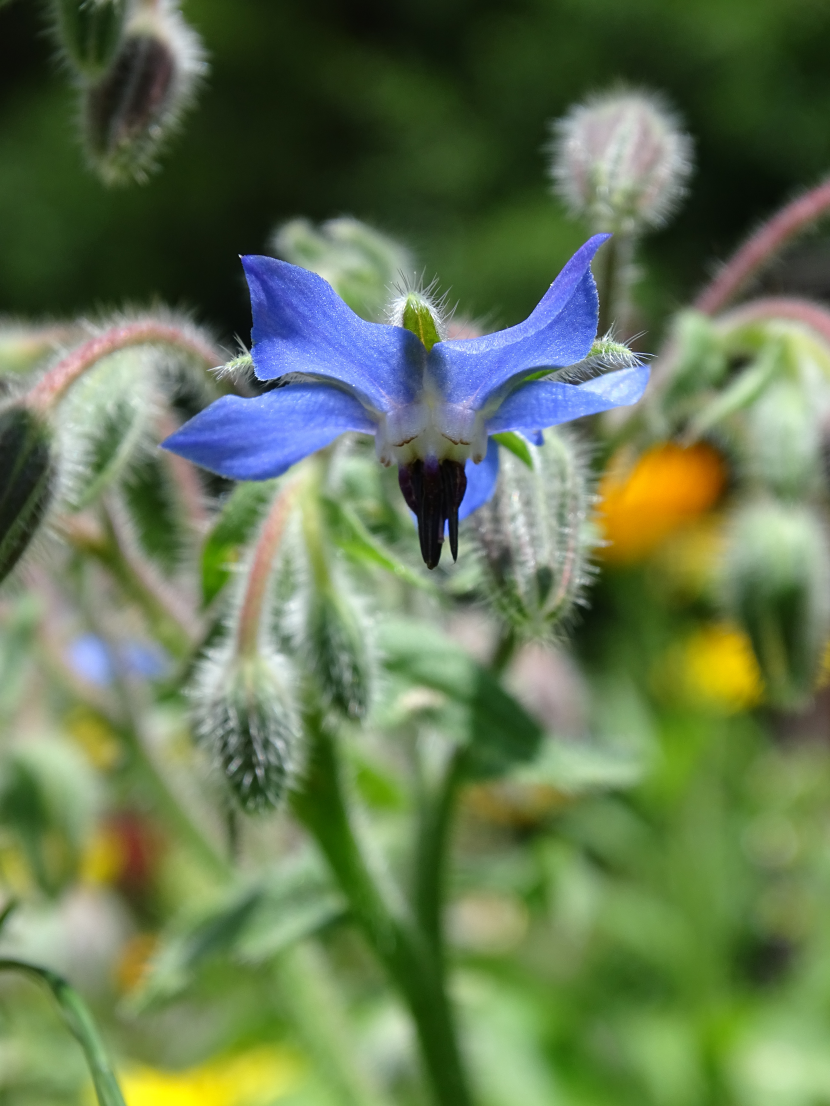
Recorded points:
432,411
95,661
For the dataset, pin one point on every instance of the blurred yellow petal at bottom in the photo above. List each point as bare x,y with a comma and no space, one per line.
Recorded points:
715,668
258,1077
643,501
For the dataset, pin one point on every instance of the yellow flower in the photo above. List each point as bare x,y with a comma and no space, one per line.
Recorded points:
102,860
645,501
254,1078
714,667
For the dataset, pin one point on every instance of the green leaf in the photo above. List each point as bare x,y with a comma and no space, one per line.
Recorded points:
235,525
516,444
80,1023
579,767
247,925
499,731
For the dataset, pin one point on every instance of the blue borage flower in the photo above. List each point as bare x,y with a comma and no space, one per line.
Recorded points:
432,410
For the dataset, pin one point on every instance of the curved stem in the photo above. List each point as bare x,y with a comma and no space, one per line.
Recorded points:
400,947
54,385
81,1025
768,308
248,628
761,247
437,814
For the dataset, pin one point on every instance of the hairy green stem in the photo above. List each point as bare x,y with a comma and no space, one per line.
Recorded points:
51,389
169,623
437,812
315,1010
81,1024
404,951
249,625
615,274
762,246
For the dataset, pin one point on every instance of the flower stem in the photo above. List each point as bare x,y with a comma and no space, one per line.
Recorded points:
249,625
761,247
614,279
173,626
769,308
437,814
315,1010
399,945
54,385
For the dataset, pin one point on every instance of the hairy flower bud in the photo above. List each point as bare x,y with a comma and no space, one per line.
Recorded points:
245,716
138,102
27,479
104,423
359,262
698,361
337,645
533,535
621,161
776,585
89,32
783,441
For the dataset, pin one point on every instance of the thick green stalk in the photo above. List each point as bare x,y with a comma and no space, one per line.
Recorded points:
316,1012
404,951
437,811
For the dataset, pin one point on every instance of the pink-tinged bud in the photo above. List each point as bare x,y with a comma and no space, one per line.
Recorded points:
132,110
621,161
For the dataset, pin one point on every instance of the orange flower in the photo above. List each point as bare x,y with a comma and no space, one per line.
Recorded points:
642,503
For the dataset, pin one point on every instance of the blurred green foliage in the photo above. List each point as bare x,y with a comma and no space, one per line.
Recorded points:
427,120
654,930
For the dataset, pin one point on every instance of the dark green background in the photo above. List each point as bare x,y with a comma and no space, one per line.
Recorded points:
427,119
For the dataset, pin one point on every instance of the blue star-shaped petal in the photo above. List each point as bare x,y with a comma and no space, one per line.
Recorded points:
431,411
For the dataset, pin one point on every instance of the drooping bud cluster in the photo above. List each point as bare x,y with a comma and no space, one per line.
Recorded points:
776,584
534,537
359,262
137,63
621,161
245,716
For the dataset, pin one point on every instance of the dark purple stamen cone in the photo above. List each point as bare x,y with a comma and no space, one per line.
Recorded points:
434,490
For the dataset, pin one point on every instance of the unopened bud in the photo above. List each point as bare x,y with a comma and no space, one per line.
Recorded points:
104,423
89,32
776,585
138,102
27,478
245,716
534,536
338,648
621,161
698,361
358,261
783,441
